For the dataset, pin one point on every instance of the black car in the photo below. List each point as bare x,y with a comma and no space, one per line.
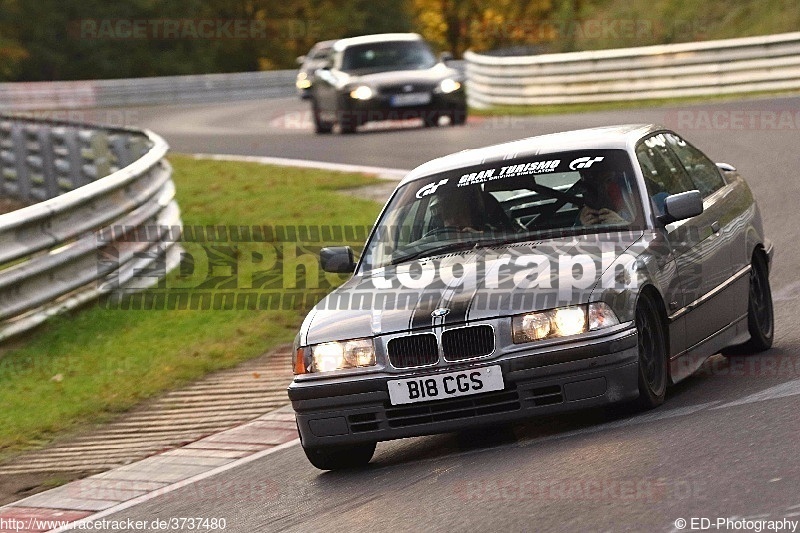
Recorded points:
317,57
393,76
530,278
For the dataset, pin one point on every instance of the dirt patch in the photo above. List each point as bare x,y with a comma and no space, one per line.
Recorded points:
8,205
377,193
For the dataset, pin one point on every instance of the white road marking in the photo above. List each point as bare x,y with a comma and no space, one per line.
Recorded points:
790,388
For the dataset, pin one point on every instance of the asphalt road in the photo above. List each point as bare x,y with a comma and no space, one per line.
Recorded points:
725,444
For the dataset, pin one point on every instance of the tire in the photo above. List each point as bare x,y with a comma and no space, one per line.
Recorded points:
431,120
653,368
458,117
340,457
347,122
760,315
320,126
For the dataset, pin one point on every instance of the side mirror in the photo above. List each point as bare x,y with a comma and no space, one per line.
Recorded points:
337,259
726,167
682,206
300,60
444,57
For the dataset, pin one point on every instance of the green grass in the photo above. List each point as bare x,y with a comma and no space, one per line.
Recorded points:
563,109
86,366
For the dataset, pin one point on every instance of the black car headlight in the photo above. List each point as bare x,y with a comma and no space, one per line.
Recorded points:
330,356
449,85
562,322
362,92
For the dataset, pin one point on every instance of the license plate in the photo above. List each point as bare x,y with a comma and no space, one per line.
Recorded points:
442,386
411,99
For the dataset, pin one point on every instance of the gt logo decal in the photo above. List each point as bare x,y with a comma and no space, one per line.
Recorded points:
584,162
430,188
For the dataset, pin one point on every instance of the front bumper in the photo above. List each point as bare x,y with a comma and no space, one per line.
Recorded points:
360,112
564,378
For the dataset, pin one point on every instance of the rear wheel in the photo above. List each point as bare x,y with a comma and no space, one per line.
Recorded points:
760,317
340,457
653,374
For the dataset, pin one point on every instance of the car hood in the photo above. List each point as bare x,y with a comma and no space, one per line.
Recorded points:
429,76
473,285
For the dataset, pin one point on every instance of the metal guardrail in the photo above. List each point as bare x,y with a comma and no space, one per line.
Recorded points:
33,96
42,96
103,213
728,66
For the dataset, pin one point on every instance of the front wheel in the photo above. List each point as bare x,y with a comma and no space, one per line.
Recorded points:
340,457
653,373
458,117
320,126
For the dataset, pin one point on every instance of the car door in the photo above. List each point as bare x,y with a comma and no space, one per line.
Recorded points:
722,204
700,257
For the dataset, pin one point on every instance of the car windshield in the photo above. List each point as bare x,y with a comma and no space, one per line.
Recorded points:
389,55
553,195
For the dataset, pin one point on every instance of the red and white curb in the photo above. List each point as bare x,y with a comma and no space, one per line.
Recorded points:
110,492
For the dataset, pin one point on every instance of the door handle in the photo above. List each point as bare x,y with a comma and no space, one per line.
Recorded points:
715,227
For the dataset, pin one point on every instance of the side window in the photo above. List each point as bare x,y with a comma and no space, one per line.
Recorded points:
700,168
663,173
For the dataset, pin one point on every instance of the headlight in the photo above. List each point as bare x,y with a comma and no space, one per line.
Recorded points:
330,356
362,92
302,81
562,322
449,85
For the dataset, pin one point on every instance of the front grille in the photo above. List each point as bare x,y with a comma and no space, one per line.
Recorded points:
403,88
469,342
441,410
549,395
413,350
363,422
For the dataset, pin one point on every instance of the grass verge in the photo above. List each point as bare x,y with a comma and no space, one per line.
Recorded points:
84,367
564,109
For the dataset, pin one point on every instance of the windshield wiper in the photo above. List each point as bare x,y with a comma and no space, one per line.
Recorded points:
438,250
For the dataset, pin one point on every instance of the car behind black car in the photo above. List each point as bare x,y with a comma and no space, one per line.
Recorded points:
393,76
534,277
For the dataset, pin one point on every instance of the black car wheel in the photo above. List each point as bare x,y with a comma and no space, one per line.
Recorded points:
340,457
348,121
458,117
653,372
431,119
760,317
320,126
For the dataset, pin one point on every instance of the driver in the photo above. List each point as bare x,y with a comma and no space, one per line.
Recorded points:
604,198
461,210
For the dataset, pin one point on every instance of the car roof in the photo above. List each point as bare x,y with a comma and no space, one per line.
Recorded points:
324,44
341,44
622,136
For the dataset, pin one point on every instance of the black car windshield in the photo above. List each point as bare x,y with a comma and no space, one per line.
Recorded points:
552,195
388,55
